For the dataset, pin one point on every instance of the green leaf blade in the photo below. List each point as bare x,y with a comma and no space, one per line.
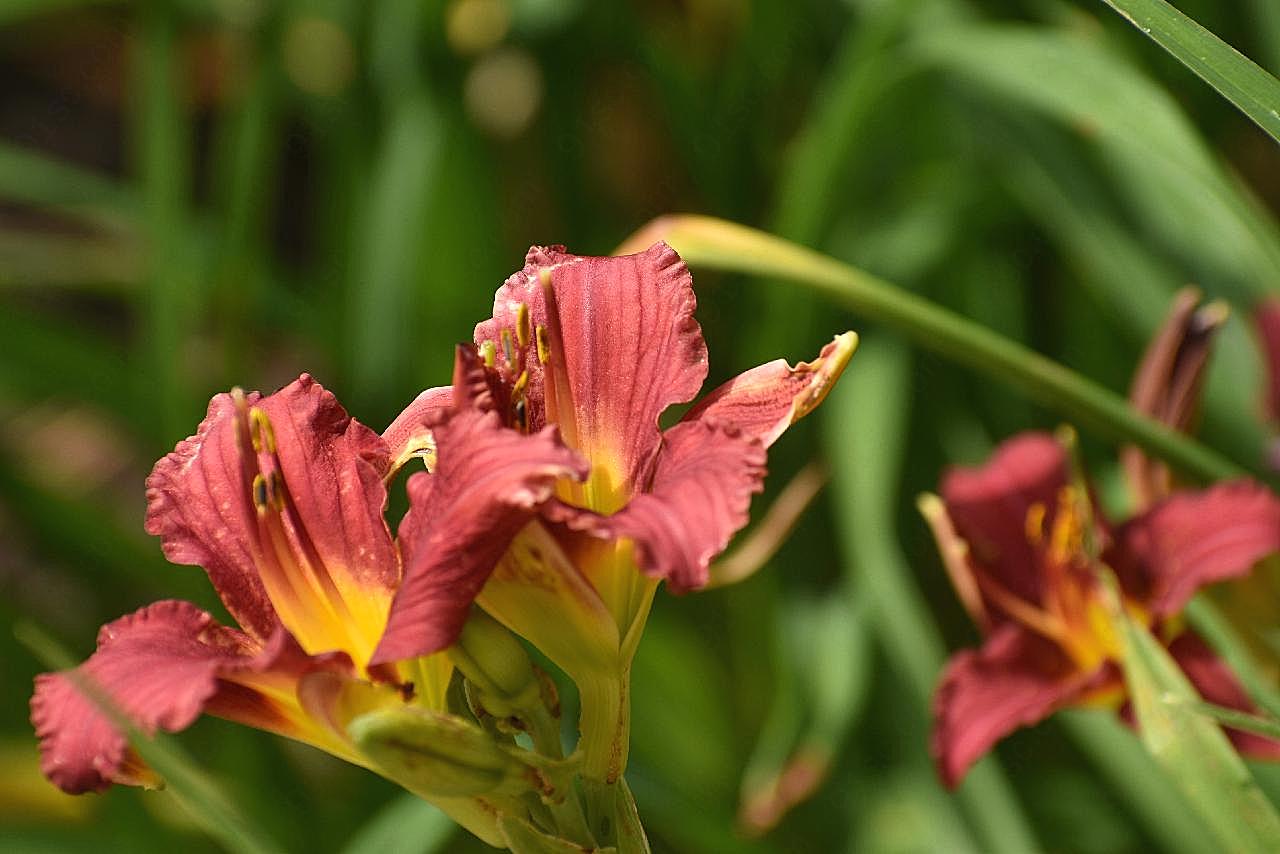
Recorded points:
1192,749
1236,77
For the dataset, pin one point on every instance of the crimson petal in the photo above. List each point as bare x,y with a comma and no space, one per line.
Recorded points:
488,483
1016,679
701,491
200,503
764,401
989,504
1165,555
280,499
628,345
162,665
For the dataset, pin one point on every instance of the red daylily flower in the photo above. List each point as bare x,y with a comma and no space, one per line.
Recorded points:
1013,537
600,348
280,498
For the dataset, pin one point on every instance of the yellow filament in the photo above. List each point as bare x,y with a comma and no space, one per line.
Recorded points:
1066,541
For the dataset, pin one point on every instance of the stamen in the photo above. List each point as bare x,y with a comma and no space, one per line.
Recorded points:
540,334
508,348
522,325
1034,523
1066,540
519,406
261,494
261,432
1041,622
489,353
276,490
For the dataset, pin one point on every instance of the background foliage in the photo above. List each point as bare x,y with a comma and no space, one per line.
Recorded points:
201,193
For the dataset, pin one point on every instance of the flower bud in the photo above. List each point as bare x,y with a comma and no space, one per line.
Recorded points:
496,664
436,755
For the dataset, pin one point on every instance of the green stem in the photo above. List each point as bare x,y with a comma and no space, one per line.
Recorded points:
611,811
716,244
605,724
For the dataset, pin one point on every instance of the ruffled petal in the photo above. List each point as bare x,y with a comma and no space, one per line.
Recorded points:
611,345
1016,679
1165,555
280,498
701,491
162,666
488,483
1216,684
410,434
989,504
765,401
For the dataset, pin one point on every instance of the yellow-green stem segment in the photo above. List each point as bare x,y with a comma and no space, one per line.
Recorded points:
716,244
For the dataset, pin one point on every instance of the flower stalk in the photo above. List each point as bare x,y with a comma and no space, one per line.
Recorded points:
717,244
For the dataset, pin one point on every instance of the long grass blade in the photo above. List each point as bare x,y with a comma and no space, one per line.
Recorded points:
1133,776
1192,749
1236,77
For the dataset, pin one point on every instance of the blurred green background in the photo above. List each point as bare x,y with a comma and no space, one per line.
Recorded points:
201,193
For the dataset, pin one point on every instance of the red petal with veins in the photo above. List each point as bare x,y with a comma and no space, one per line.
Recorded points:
988,505
702,485
201,504
1192,539
162,666
1015,679
488,483
763,402
631,348
333,467
1216,684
